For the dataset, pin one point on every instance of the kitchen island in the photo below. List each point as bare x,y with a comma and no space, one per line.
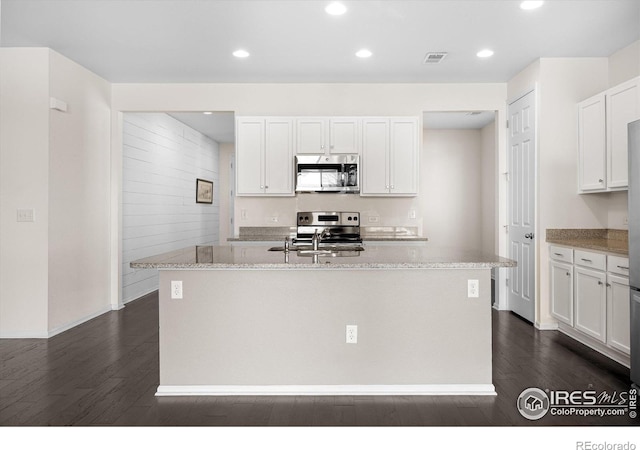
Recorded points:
258,322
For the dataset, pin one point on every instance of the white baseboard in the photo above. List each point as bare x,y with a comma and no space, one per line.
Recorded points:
125,301
55,331
75,323
317,390
546,326
618,357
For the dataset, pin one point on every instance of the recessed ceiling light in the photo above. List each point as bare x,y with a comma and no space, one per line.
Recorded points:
336,9
207,113
531,4
241,53
364,53
484,53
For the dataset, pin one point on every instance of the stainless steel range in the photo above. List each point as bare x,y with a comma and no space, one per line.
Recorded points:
328,228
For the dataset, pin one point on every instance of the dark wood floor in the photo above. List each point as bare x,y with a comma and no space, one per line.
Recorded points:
105,372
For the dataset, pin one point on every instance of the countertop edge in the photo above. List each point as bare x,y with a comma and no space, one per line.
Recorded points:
576,243
325,266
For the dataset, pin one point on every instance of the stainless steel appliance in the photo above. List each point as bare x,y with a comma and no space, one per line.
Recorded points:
333,173
328,228
634,247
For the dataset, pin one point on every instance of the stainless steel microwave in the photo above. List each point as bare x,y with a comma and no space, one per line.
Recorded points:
333,173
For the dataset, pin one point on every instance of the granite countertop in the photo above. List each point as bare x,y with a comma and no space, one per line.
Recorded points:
604,240
373,257
384,233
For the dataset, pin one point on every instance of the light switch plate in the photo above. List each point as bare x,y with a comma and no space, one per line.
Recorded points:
26,215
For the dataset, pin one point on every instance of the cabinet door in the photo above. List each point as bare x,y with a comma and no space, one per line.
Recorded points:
591,302
592,144
403,158
562,291
618,313
344,135
279,163
375,157
249,155
311,133
622,108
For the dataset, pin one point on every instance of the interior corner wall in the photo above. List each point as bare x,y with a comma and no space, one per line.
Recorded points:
624,64
79,146
24,179
162,158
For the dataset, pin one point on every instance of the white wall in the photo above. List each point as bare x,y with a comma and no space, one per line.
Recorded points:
24,181
489,188
54,271
162,158
78,195
624,64
451,186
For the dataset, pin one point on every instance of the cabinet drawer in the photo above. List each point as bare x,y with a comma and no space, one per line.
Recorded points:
618,264
596,261
561,253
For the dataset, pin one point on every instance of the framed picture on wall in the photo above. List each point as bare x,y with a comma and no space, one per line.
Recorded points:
204,191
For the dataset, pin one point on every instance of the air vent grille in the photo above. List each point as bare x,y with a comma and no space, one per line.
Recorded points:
434,57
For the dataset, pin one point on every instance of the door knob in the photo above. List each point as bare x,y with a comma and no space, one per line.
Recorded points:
529,235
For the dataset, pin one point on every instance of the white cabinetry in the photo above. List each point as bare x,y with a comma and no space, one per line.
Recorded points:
561,279
328,135
590,298
389,157
618,303
602,137
264,149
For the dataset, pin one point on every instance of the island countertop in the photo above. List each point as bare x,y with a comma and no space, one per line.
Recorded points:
373,257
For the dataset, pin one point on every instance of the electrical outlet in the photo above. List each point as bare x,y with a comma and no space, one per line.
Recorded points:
412,214
352,334
473,289
176,290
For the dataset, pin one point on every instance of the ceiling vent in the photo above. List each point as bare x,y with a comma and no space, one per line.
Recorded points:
434,57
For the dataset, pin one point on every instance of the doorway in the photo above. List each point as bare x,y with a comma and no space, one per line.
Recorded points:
163,156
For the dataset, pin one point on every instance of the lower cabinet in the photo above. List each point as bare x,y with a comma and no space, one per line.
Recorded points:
618,313
591,302
590,298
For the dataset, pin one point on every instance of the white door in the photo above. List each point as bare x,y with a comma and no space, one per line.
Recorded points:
522,176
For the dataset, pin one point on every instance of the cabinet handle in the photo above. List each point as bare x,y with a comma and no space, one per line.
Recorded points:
622,267
586,260
266,187
558,254
261,186
568,274
600,181
600,283
608,285
392,186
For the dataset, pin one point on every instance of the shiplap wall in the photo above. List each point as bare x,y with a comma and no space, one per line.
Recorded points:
162,158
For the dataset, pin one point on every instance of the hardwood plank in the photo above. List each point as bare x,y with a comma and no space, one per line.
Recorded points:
105,372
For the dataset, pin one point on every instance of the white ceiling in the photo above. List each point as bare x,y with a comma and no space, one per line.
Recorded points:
296,41
219,126
457,120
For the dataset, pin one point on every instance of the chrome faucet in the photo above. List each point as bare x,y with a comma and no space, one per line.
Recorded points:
317,238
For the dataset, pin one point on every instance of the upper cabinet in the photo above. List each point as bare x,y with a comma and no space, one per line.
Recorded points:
326,135
264,153
602,137
388,149
389,156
